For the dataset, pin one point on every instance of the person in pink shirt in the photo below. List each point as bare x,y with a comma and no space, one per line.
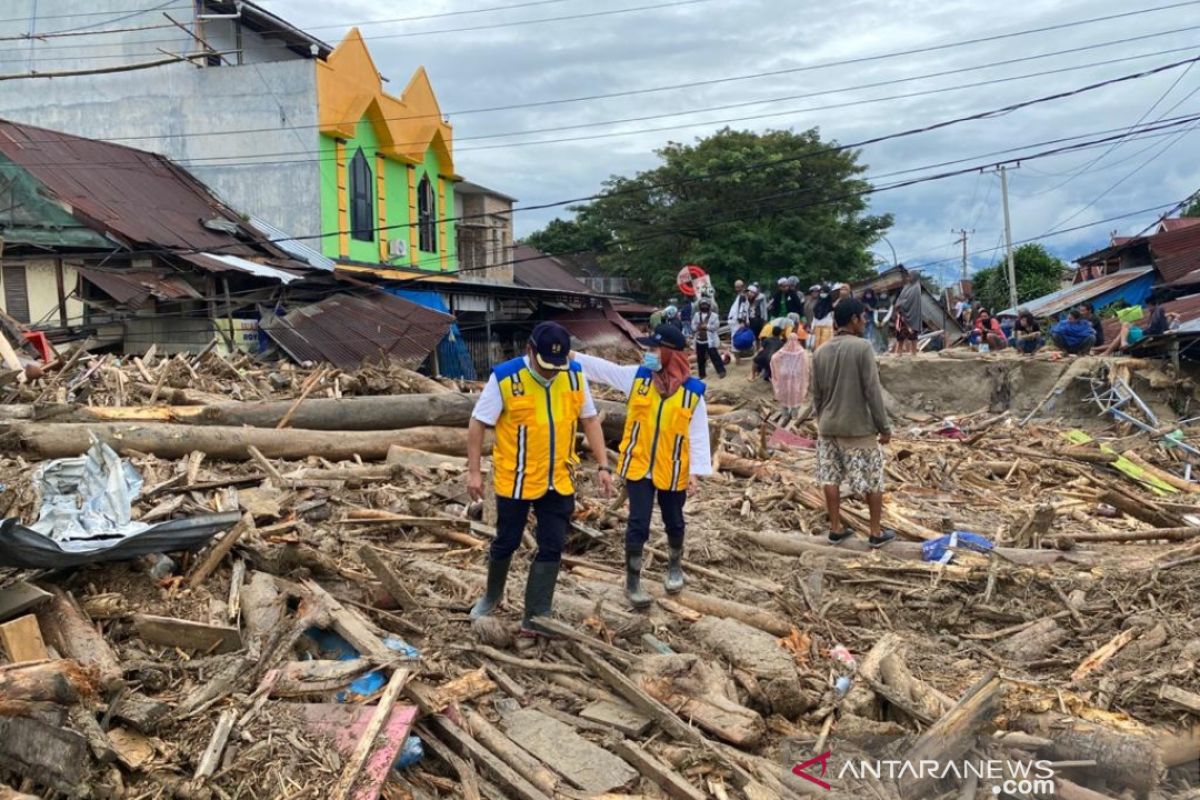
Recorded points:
789,377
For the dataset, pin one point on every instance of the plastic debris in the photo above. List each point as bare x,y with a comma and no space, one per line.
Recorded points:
412,752
942,549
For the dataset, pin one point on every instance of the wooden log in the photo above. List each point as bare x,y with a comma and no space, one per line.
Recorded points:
507,751
1123,757
758,653
214,555
383,412
9,793
953,734
299,678
366,745
49,755
581,763
22,640
1163,475
187,635
226,443
65,682
1034,642
793,545
463,688
1140,509
68,631
1158,534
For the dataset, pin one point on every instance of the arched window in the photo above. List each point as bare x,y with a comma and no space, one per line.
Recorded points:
426,224
362,206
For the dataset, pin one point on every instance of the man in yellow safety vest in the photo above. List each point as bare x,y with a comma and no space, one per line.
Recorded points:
535,403
664,448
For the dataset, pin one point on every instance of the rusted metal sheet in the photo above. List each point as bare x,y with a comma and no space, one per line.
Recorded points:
135,288
347,330
1057,302
599,327
537,270
130,194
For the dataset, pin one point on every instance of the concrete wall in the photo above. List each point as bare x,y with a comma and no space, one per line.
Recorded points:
269,172
41,286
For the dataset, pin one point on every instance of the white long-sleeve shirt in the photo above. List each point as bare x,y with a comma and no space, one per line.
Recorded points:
621,378
707,328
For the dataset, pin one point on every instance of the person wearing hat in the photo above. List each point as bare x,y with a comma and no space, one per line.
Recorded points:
535,403
786,300
663,450
757,308
810,304
708,339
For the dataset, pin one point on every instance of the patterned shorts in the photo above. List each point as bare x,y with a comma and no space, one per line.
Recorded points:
860,468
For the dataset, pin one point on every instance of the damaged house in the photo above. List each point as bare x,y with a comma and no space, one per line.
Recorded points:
124,247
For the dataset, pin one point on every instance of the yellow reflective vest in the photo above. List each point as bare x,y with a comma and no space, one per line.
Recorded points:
535,435
656,443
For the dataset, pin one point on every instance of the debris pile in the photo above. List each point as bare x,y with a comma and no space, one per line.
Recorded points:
1038,610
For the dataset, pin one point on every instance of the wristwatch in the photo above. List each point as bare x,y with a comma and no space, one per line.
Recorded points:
604,468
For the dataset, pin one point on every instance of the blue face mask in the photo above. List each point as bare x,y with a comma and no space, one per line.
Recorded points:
652,362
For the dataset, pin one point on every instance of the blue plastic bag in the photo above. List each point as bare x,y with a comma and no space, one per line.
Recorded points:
743,339
942,548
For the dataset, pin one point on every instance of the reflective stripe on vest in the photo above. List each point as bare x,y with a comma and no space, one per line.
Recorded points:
535,435
656,441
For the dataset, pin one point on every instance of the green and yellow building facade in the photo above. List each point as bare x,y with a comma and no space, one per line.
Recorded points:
387,167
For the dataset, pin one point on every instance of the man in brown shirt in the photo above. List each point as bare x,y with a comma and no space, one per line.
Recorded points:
852,422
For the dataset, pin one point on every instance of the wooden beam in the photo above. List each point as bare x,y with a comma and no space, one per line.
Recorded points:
187,635
22,639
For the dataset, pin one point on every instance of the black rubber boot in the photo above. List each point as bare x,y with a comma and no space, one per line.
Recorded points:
633,581
673,582
496,578
539,595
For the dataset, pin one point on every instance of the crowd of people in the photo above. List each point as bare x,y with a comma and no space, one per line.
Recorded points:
1080,332
780,330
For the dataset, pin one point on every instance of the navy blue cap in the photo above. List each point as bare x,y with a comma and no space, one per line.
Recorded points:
552,344
665,335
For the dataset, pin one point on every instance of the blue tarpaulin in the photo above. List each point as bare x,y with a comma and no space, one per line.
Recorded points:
454,360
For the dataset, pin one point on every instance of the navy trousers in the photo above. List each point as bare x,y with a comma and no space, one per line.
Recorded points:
553,512
641,505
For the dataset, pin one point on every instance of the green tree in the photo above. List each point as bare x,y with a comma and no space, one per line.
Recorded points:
567,237
1038,273
740,204
1193,209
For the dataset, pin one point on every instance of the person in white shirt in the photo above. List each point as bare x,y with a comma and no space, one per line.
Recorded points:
664,449
707,324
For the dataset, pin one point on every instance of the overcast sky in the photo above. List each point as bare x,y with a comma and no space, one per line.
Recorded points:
716,39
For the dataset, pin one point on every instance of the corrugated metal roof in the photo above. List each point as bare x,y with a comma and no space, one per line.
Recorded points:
134,288
1050,304
134,195
215,262
347,330
1176,252
599,327
1178,223
297,249
537,270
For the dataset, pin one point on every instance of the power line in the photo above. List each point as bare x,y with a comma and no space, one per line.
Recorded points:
1086,167
278,156
413,34
109,13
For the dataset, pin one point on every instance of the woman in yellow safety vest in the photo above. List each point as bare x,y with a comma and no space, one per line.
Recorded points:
664,448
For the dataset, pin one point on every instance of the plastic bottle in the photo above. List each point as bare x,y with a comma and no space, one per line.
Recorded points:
841,654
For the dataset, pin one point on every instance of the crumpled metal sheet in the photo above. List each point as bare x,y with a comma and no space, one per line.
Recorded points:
22,547
87,501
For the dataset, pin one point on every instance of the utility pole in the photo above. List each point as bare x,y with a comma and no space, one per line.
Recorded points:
1012,267
963,233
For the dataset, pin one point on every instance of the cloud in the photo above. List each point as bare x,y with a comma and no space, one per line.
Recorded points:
721,38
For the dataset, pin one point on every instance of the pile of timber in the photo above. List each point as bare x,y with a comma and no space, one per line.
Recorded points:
297,653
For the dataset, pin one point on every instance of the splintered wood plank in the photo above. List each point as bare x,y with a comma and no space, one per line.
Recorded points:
667,779
187,635
1189,701
50,755
584,765
22,639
